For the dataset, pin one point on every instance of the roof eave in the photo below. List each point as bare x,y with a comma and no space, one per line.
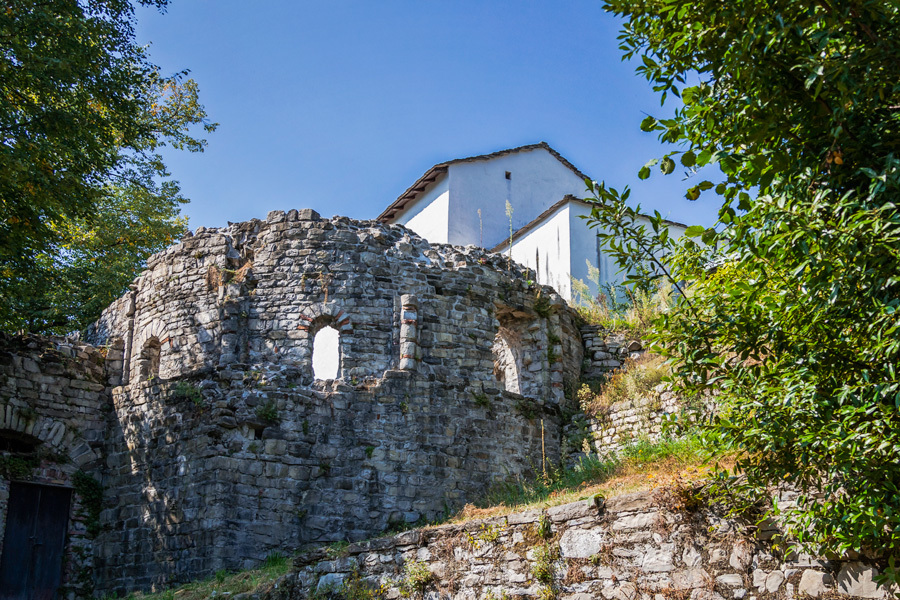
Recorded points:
534,223
421,184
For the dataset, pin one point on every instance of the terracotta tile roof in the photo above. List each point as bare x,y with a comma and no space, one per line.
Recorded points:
432,174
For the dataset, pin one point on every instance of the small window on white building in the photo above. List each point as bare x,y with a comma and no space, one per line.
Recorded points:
326,354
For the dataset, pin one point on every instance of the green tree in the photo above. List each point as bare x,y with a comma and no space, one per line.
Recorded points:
792,306
84,194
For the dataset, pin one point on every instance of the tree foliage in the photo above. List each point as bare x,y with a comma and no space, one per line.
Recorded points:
791,309
84,194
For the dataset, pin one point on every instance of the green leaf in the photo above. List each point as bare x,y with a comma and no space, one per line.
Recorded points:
667,165
694,231
648,124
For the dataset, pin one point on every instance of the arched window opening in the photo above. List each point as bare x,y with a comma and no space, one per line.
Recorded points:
18,443
150,355
326,354
506,368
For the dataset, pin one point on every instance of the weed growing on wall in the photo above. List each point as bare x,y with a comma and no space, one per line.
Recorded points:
268,411
355,588
416,578
185,390
90,492
18,467
481,400
486,534
542,306
635,380
544,557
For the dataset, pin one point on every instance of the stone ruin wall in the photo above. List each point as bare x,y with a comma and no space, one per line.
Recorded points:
224,447
624,421
53,407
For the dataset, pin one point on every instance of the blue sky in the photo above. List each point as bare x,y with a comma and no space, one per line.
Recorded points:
340,106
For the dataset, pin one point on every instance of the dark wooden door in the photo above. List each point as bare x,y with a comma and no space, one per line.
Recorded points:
36,520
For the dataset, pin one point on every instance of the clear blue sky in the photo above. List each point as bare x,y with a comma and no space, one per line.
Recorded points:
340,106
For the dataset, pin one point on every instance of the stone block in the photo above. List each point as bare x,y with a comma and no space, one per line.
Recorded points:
857,579
813,583
574,510
580,543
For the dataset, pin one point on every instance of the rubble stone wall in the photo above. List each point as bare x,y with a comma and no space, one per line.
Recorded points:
53,406
629,420
224,446
645,546
605,352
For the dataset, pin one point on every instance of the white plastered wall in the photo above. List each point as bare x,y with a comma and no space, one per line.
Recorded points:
537,181
428,214
585,247
546,250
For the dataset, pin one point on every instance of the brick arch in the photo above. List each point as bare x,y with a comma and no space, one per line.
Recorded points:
51,432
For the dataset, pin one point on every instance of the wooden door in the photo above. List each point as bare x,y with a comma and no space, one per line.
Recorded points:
37,517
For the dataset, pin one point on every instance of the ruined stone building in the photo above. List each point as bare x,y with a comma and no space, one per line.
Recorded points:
191,434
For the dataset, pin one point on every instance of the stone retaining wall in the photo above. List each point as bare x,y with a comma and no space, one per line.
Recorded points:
629,420
636,547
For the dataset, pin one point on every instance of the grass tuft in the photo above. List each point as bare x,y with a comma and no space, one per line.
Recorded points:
226,584
619,309
641,465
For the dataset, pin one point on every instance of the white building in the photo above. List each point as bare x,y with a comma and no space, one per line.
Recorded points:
464,201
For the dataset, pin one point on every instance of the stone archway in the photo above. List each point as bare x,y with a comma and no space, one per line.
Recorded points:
314,320
148,355
49,431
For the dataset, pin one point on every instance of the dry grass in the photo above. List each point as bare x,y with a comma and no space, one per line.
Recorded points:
634,316
636,379
634,473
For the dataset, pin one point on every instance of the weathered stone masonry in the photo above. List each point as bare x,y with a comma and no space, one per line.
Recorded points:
646,546
52,425
220,446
